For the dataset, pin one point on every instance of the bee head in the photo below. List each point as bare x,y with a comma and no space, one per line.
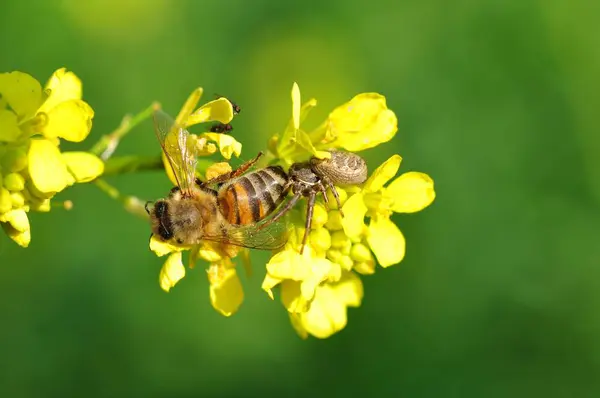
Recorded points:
160,218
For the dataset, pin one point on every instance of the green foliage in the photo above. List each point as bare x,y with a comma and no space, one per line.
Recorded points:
497,294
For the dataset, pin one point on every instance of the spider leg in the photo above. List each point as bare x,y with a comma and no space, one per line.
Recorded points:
336,196
323,190
281,212
309,214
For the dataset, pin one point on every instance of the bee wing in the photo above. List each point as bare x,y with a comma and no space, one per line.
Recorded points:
173,139
271,237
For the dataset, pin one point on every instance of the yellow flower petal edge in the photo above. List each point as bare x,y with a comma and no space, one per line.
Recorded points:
9,128
21,238
383,174
226,292
386,241
71,120
47,168
83,166
22,92
354,215
411,192
171,272
62,86
227,144
220,110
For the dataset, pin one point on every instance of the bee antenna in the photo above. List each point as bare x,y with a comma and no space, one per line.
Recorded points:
147,209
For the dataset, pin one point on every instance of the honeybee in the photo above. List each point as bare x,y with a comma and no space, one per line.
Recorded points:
230,214
242,208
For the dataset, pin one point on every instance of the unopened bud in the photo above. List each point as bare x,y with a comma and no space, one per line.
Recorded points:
14,182
17,199
5,200
334,255
319,217
14,160
346,263
320,239
360,253
339,240
343,196
334,221
365,268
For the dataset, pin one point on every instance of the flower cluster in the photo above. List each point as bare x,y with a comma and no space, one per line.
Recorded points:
32,167
317,286
226,292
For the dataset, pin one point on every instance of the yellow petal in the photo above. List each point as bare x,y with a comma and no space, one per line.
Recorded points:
269,283
354,215
217,169
349,289
47,168
17,219
188,107
9,128
296,321
71,120
226,143
218,110
226,293
304,141
386,241
161,248
326,316
62,86
411,192
287,264
299,113
208,252
292,298
383,174
22,93
296,102
171,272
83,166
362,123
21,238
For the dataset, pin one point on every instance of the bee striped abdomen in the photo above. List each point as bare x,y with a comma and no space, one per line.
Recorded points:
253,196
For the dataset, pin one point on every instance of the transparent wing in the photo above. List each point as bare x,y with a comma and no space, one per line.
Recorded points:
174,142
271,237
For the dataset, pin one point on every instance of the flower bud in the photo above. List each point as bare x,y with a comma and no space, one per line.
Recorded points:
14,160
339,240
14,182
319,216
346,263
341,193
365,268
334,221
360,253
334,255
5,201
320,239
17,199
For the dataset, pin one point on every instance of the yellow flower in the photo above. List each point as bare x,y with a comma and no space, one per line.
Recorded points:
32,168
226,293
206,143
409,193
362,123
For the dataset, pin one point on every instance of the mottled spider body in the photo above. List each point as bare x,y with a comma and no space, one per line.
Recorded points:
313,177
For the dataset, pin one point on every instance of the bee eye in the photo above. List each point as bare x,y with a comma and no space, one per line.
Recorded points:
160,208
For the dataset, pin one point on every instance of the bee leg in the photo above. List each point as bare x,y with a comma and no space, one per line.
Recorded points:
309,214
335,195
282,211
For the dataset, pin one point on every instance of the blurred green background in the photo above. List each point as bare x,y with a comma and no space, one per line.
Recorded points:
499,292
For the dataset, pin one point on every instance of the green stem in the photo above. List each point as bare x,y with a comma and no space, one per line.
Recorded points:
106,146
132,204
132,164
